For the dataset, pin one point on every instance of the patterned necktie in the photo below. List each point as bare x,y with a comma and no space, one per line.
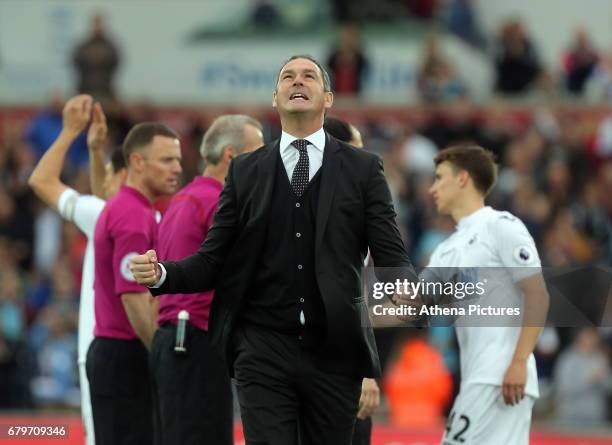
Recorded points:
299,179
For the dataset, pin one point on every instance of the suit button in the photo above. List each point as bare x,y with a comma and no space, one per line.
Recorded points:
300,267
297,204
300,337
297,235
301,300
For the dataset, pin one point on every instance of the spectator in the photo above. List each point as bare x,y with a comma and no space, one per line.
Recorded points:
516,61
599,85
437,80
583,381
348,64
12,331
418,386
265,15
96,60
54,343
579,62
460,18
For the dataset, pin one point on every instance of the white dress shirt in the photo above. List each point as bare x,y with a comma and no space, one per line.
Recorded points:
289,155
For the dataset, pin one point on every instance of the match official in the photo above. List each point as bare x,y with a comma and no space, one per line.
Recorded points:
117,360
193,386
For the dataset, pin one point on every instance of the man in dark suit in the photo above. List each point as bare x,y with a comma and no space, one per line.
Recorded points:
285,253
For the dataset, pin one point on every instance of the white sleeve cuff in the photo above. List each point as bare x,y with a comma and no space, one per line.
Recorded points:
162,278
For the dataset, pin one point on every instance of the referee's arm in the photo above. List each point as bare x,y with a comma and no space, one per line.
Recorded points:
138,309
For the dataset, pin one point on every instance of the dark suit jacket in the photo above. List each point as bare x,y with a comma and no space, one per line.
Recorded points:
354,212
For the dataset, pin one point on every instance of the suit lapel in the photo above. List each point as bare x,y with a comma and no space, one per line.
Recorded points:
330,170
266,172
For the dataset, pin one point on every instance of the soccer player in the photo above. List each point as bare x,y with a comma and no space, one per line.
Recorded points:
193,389
498,374
83,210
118,360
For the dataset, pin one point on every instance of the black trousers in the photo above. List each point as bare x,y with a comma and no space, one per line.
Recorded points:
363,432
194,390
284,398
118,373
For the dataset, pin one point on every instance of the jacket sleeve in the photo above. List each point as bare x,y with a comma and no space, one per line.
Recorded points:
383,235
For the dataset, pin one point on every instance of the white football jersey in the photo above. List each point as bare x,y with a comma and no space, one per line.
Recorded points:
484,240
83,210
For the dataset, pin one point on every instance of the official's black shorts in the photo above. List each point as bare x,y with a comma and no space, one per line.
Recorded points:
118,374
193,390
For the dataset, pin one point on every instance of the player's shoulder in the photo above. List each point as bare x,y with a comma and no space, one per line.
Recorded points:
443,247
126,211
91,202
502,221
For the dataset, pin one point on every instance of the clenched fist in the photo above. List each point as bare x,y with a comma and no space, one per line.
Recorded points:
145,269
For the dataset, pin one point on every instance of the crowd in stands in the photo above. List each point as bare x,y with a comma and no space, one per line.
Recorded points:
555,174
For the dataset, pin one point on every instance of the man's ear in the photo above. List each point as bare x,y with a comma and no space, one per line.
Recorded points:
464,178
136,161
274,99
229,153
328,99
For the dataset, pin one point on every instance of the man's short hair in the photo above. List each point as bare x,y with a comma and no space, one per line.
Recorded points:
142,134
339,129
117,160
478,162
225,131
326,79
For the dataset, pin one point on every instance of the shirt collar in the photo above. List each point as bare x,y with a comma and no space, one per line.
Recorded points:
209,180
468,221
316,139
126,189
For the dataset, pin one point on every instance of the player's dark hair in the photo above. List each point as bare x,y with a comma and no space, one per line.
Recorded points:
478,162
326,79
117,160
339,129
142,134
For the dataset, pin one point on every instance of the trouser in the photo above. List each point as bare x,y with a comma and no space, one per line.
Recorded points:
285,399
363,432
86,414
120,389
193,389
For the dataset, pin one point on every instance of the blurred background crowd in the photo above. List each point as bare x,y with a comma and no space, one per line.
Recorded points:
550,126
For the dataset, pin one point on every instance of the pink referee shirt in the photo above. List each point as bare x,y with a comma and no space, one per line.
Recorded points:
126,227
181,232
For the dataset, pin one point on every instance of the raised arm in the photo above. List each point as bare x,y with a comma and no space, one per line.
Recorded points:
96,142
45,179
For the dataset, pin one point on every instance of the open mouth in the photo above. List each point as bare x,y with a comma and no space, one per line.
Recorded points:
298,96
